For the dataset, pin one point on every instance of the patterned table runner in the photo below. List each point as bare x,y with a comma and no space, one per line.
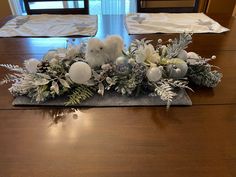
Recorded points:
150,23
50,25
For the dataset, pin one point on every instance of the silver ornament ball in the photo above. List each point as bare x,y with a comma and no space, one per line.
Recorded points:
178,68
183,55
192,55
154,74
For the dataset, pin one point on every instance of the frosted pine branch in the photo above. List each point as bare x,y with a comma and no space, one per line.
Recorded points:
14,68
178,45
183,84
9,78
165,92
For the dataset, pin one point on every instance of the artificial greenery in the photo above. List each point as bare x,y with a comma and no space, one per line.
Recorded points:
142,69
79,94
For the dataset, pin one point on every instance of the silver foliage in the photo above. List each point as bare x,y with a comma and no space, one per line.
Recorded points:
178,44
165,91
14,68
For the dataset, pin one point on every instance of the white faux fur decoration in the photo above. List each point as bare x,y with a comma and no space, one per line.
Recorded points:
95,53
113,46
99,52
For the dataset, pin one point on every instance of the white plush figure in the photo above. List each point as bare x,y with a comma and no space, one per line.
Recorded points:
95,53
113,46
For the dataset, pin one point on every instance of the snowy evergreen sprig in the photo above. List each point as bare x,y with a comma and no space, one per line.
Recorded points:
14,68
177,45
79,94
9,78
182,84
203,76
165,91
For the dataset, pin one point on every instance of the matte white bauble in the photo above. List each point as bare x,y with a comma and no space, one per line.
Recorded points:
178,68
183,55
154,74
121,60
192,55
31,65
80,72
131,61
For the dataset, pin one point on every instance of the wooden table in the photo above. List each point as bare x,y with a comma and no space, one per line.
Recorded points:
196,141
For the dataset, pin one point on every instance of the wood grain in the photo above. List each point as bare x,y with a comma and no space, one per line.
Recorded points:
197,141
114,24
120,142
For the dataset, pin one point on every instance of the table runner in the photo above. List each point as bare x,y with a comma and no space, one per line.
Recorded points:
111,100
149,23
50,25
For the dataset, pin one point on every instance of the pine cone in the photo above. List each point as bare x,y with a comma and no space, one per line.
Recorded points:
43,67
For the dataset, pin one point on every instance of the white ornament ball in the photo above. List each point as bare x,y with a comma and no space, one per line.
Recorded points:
192,55
183,55
131,61
31,65
154,74
100,92
80,72
67,75
178,69
120,60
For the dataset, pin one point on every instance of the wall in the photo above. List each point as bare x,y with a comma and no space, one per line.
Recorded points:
169,3
234,13
202,5
207,6
221,6
4,9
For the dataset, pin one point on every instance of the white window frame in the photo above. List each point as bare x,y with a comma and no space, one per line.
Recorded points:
15,7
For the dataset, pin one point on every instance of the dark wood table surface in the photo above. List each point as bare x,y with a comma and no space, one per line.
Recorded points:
195,141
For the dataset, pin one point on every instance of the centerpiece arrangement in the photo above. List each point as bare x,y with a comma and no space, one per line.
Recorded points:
99,66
